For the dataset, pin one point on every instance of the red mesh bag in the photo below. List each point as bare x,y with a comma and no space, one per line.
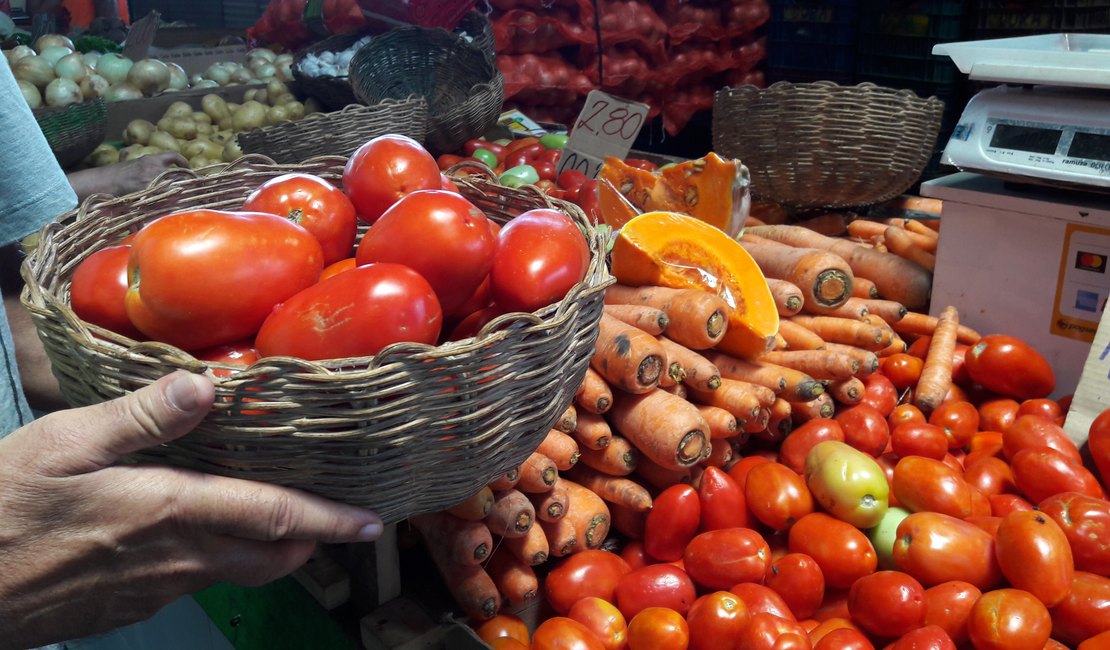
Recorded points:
626,72
635,23
683,103
524,32
745,16
542,79
282,22
685,21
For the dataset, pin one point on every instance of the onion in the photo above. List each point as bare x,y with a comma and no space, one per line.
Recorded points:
55,54
62,92
71,67
266,71
179,80
114,67
31,93
35,70
90,58
241,75
53,40
150,76
93,86
18,52
206,83
195,78
218,72
261,53
120,92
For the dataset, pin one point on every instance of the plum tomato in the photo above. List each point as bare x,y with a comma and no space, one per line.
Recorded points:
314,204
672,522
887,603
935,548
716,620
799,581
1009,619
1085,521
841,550
592,572
98,289
1032,431
563,633
383,170
1085,612
948,606
656,585
865,428
540,256
777,495
656,628
1010,367
603,619
718,559
1034,555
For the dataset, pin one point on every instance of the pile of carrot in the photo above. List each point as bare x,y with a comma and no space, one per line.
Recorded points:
658,403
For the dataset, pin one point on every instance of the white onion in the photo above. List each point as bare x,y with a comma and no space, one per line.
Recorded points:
90,58
93,86
150,76
262,53
266,71
20,51
179,80
62,92
71,67
195,78
241,75
53,40
114,67
35,70
206,83
218,72
31,94
53,54
120,92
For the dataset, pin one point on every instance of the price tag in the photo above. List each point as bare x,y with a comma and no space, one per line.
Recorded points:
607,126
1092,395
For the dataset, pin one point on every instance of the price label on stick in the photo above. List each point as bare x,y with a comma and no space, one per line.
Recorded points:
607,126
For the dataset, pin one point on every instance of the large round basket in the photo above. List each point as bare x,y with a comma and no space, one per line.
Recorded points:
477,29
333,92
824,145
413,429
464,89
73,131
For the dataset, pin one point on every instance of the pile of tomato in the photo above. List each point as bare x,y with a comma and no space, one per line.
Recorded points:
980,525
288,274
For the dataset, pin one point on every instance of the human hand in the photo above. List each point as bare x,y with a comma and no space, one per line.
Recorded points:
89,546
135,174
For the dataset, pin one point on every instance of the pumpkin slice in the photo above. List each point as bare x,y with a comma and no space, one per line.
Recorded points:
712,189
668,249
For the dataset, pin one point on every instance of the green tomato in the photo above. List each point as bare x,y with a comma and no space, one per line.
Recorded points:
519,175
885,534
554,141
847,483
487,157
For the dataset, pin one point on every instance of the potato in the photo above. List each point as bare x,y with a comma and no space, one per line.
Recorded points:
248,116
163,141
215,107
178,109
104,154
137,132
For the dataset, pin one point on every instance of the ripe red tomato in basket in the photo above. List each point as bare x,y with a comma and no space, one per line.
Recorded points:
592,572
386,168
203,277
540,256
1010,367
314,204
98,288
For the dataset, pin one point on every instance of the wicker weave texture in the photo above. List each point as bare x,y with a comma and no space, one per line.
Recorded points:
73,131
333,92
477,26
463,87
825,145
339,132
412,429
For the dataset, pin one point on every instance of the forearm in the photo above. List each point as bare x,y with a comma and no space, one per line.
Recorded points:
40,387
87,182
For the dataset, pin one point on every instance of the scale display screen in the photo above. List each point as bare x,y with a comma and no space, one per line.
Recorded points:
1092,146
1025,138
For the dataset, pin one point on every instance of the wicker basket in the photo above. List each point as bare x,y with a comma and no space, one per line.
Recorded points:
477,26
333,92
825,145
338,133
410,430
73,131
464,89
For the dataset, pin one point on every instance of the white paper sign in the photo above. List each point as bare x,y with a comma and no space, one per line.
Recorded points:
1092,396
607,126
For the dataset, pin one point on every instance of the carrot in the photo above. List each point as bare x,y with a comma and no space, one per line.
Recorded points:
897,344
567,420
667,429
785,382
627,357
697,371
852,309
469,584
722,424
531,549
674,374
788,297
760,421
678,390
614,489
592,432
562,539
589,514
515,580
819,364
538,473
888,310
461,541
868,360
595,395
736,397
475,507
936,373
911,203
779,343
820,407
867,229
864,288
651,320
628,522
932,236
617,459
550,505
780,421
826,223
896,278
769,211
918,324
899,241
698,319
719,455
798,337
512,514
847,391
750,221
844,330
506,482
824,278
658,476
560,448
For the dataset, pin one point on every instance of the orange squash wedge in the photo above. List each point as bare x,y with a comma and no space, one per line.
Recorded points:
712,189
668,249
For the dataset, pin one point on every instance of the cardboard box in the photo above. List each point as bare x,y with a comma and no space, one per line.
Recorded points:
152,108
1027,262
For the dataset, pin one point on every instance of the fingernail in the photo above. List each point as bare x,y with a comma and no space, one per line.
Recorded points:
182,391
370,532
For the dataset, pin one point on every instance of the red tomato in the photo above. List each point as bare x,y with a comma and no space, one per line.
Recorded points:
477,143
1098,441
718,559
905,413
761,599
541,255
988,523
1085,611
635,554
797,578
984,444
936,548
722,501
656,628
448,185
98,290
1085,521
919,439
656,585
503,626
924,484
888,462
672,522
640,163
588,201
960,421
571,179
505,643
929,637
383,170
447,160
314,204
591,572
769,632
948,606
202,278
1010,367
1043,472
887,603
336,268
844,639
830,625
841,550
237,355
865,428
716,620
796,446
562,633
777,495
353,314
991,476
1032,431
903,370
998,413
879,393
741,468
603,619
1097,642
1004,504
1044,407
1034,555
1009,619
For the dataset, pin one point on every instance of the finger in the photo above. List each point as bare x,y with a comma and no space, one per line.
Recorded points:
174,159
81,440
265,512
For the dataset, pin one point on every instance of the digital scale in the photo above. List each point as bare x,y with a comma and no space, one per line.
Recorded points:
1050,124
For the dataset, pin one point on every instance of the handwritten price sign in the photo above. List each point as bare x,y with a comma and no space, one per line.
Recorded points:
606,126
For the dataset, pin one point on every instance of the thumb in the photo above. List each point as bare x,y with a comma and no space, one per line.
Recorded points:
82,440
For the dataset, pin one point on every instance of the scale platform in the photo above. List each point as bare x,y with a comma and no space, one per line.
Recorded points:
1079,60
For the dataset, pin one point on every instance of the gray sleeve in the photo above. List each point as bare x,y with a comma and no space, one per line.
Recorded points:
33,188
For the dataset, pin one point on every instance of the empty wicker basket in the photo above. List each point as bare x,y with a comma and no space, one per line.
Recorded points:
73,131
825,145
